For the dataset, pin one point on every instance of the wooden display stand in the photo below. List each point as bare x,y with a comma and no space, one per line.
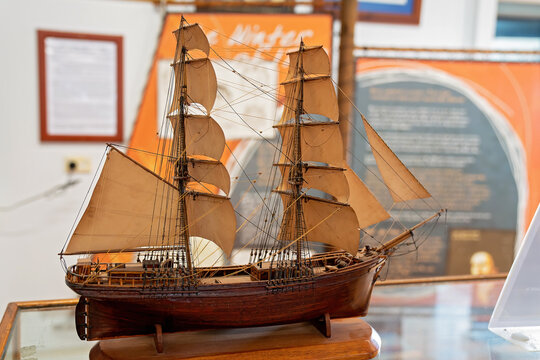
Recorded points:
352,338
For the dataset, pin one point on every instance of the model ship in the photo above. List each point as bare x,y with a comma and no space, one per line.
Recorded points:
157,214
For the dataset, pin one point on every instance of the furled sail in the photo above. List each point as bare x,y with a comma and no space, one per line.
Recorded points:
204,135
329,179
320,142
134,209
315,61
328,222
201,82
192,37
400,181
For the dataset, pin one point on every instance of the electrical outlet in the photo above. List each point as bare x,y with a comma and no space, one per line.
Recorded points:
78,164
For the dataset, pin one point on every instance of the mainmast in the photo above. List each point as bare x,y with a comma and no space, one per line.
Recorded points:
181,175
297,179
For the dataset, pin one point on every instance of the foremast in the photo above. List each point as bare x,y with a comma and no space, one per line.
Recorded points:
181,174
156,212
296,178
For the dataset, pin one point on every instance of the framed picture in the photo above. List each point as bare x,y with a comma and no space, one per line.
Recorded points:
390,11
384,11
80,87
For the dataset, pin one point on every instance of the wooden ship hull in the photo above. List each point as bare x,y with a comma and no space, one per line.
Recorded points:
131,309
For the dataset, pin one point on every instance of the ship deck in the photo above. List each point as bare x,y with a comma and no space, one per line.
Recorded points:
134,275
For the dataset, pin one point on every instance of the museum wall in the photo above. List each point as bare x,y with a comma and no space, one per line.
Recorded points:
33,232
31,235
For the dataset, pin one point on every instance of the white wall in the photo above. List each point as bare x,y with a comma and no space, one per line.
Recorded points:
456,24
32,235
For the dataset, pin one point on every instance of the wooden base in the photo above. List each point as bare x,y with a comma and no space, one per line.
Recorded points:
352,338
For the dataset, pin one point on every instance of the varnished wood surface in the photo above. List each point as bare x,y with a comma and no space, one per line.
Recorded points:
6,325
352,338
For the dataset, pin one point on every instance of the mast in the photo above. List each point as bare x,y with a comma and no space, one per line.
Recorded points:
297,173
181,175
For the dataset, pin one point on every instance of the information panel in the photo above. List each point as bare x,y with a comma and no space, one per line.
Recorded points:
460,140
80,87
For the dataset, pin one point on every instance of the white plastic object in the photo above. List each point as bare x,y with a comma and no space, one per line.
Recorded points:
516,316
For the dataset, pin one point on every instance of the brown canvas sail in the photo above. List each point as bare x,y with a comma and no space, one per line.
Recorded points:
192,37
320,142
133,209
400,181
201,82
204,135
315,61
328,222
319,97
329,179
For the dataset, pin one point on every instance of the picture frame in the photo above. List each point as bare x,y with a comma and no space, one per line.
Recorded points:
80,87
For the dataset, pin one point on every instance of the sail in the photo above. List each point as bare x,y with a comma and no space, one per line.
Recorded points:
328,222
315,61
368,209
329,179
201,83
204,136
400,181
320,142
192,37
134,209
319,97
209,172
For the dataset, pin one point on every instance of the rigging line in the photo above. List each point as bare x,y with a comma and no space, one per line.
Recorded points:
251,184
84,200
257,235
250,81
255,131
246,45
264,47
275,98
245,173
260,231
270,183
419,244
164,129
238,213
250,216
254,65
242,84
241,99
245,115
242,87
362,135
289,245
374,229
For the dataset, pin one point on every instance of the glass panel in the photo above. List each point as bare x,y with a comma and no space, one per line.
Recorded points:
440,321
46,334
